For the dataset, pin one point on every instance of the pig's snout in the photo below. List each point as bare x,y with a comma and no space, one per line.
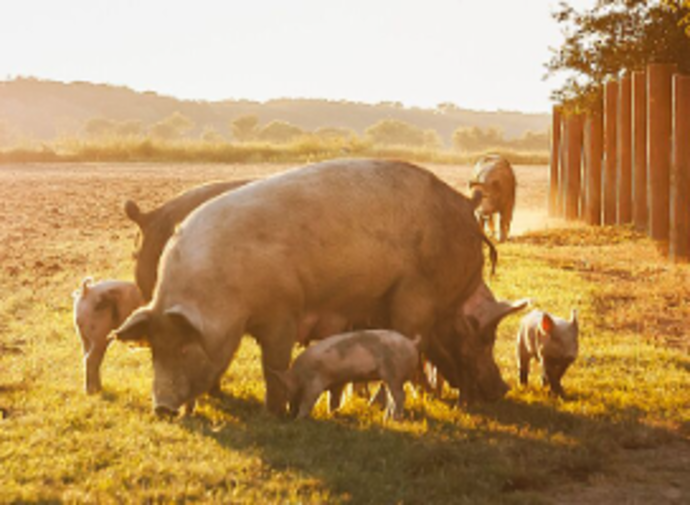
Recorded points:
497,392
165,412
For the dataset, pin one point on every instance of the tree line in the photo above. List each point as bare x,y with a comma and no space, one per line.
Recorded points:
386,132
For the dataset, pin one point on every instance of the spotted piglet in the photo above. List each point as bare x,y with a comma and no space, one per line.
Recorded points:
98,310
550,340
367,355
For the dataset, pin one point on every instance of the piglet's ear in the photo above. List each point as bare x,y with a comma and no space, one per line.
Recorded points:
546,323
136,328
573,318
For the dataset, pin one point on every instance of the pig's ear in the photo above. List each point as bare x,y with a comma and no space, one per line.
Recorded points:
483,311
505,308
186,318
573,318
136,328
546,323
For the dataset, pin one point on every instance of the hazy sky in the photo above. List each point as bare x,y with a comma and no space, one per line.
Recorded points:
478,54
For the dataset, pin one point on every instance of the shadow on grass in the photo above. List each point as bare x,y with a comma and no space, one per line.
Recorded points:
484,454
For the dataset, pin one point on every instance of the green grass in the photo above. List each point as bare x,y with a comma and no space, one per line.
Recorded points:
628,392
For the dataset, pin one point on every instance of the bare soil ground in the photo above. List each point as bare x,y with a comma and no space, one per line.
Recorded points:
45,206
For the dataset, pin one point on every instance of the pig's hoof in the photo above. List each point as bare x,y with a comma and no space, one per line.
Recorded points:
188,409
215,391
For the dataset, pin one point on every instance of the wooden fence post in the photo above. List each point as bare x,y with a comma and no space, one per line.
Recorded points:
680,172
573,166
584,167
563,166
624,151
593,149
659,117
610,119
554,174
639,111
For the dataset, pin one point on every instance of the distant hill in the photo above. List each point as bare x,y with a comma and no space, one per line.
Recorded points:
41,110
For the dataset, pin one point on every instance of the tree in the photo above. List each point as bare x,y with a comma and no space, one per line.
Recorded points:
280,132
685,6
615,36
131,128
432,139
447,108
474,139
531,141
209,134
244,128
172,127
395,132
334,133
163,131
99,127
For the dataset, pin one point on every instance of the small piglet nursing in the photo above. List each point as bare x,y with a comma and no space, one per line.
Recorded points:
550,340
356,356
98,310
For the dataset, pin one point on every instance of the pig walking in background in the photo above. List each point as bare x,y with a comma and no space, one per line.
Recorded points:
158,225
550,340
356,356
98,309
494,179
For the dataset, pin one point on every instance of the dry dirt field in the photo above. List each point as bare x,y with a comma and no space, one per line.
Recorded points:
45,206
61,222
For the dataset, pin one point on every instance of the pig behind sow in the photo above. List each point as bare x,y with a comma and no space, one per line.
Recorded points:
157,226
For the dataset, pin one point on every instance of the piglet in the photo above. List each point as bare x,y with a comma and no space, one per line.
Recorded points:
550,340
99,308
355,356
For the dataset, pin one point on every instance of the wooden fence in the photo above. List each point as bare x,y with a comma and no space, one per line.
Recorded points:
627,160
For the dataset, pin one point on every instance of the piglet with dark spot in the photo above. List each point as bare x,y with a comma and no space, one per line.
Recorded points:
356,356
